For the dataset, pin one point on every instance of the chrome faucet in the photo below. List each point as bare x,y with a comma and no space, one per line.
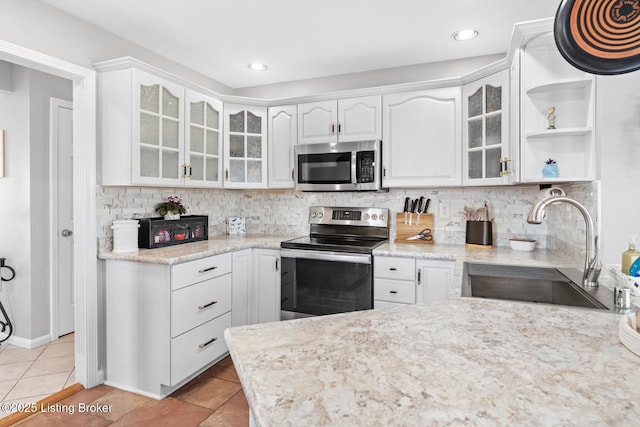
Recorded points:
592,265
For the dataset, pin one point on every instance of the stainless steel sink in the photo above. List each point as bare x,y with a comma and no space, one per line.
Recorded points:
533,284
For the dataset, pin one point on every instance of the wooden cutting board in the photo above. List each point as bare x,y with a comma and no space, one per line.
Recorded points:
405,230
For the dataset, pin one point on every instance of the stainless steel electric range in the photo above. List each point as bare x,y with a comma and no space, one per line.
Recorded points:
331,270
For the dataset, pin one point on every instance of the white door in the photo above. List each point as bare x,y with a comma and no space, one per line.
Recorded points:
360,119
422,138
433,281
317,122
62,206
266,286
282,139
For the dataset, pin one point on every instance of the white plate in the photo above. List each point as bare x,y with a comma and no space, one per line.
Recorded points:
628,334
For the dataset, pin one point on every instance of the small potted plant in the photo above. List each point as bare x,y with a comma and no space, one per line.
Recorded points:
172,208
550,169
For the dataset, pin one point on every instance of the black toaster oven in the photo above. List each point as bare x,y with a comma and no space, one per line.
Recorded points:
159,232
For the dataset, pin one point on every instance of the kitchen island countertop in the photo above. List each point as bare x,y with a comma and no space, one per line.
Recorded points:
461,361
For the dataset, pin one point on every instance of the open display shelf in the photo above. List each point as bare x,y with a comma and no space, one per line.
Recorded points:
549,81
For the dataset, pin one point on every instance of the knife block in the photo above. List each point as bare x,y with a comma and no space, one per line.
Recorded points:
405,230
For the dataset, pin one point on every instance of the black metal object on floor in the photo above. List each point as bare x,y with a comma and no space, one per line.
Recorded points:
5,325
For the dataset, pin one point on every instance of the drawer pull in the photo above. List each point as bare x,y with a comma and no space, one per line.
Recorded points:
202,307
393,292
204,270
208,343
392,268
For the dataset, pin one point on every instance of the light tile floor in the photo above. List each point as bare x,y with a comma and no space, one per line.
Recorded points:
28,375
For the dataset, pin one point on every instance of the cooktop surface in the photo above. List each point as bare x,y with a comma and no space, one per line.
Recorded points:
333,243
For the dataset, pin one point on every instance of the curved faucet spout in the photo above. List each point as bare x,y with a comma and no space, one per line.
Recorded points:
592,264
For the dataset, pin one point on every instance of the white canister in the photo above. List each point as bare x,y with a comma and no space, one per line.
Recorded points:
125,235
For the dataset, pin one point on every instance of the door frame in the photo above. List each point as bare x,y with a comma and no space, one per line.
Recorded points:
88,339
54,103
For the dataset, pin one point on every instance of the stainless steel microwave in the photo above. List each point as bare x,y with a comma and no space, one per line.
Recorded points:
338,166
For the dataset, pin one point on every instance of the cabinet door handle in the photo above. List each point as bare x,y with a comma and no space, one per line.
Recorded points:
384,171
211,341
393,292
277,264
207,305
204,270
392,268
292,175
190,171
333,128
226,174
419,276
339,128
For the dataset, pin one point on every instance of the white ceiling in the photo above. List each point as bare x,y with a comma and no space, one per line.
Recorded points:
302,39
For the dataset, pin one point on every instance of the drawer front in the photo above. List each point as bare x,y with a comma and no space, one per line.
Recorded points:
191,272
198,347
394,268
394,291
194,305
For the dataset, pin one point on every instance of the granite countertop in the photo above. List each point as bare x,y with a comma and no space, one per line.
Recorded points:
460,361
216,245
495,255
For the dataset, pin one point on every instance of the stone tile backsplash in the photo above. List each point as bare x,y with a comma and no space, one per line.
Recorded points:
286,211
566,226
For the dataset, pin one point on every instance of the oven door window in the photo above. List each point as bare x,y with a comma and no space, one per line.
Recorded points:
319,287
326,168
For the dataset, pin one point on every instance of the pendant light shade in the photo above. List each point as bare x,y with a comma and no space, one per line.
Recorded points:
599,36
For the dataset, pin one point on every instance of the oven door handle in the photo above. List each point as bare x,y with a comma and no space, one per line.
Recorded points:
326,256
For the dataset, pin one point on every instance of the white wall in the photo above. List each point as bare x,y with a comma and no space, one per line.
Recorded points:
37,26
389,76
24,114
618,133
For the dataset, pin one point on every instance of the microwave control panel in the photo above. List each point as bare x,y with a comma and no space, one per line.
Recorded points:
365,166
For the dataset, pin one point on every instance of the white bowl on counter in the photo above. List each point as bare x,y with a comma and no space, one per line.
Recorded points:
522,244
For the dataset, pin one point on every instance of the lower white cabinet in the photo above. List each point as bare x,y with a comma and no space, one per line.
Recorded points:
162,330
240,288
256,286
265,290
398,281
434,279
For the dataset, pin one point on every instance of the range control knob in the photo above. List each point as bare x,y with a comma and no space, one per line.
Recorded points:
374,217
320,214
367,216
382,217
313,214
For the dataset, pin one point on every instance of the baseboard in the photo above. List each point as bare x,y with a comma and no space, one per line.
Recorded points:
27,343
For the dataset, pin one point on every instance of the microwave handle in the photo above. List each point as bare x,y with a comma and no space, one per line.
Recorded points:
354,167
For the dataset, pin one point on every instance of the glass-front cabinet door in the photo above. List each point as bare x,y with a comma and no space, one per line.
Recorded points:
245,136
486,131
203,141
158,148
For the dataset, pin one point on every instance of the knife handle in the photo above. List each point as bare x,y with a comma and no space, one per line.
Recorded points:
406,205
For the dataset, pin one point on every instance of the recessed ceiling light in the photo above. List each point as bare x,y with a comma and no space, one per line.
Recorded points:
465,34
257,67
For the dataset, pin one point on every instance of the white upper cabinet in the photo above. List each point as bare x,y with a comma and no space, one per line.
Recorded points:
350,119
557,106
485,131
203,141
422,138
153,131
245,142
282,139
360,119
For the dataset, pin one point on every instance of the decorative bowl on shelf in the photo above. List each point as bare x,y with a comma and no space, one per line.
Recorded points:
526,245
